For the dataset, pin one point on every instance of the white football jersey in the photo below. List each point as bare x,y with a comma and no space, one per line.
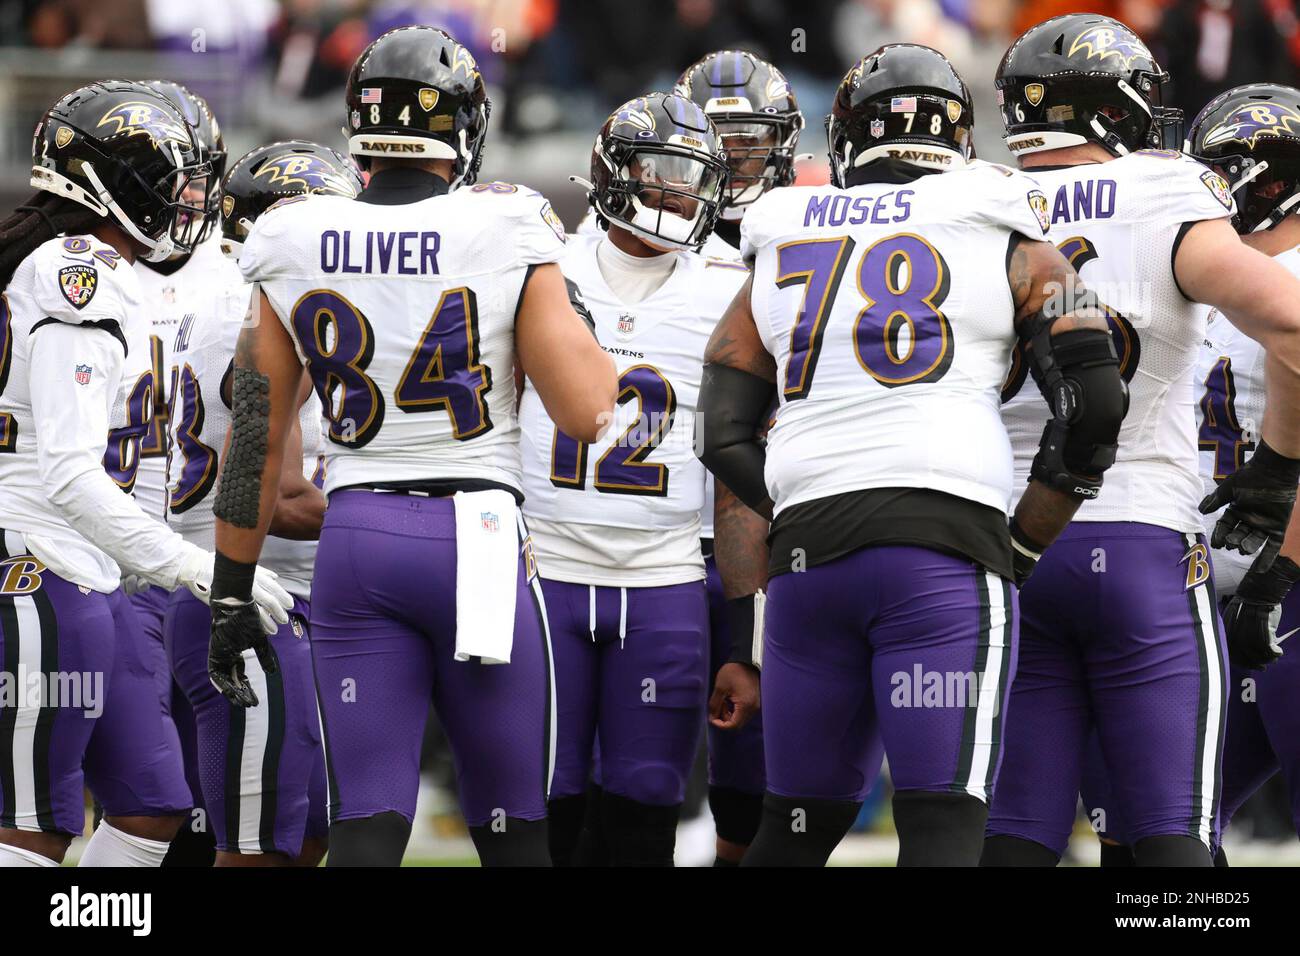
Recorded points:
199,421
404,315
77,280
196,289
1118,224
625,510
887,309
1229,411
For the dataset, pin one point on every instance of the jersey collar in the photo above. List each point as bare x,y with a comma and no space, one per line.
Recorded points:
399,185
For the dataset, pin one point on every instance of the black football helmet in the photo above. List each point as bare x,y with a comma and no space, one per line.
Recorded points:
757,118
197,113
271,173
658,169
1250,135
1084,78
904,103
417,93
120,149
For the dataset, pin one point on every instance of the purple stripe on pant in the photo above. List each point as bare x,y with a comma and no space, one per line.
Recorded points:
100,724
640,679
383,643
1119,634
282,800
891,649
735,756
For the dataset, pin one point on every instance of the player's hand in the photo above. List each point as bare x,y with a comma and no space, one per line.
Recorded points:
273,601
735,696
1251,617
134,584
1259,496
237,627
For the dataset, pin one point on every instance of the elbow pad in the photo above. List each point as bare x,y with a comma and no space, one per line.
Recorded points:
733,406
1078,373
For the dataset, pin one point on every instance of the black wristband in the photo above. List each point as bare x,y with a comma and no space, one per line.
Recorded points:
1266,461
740,619
232,579
1019,537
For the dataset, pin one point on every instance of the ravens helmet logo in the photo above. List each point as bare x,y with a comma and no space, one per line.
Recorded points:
1252,121
428,99
138,118
1105,42
63,136
307,172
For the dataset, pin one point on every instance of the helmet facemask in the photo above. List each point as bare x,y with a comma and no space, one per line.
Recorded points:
760,155
668,196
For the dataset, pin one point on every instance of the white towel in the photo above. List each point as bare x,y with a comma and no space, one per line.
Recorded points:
487,569
760,621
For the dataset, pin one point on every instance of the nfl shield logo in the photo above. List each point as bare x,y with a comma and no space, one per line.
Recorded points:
78,284
82,374
877,128
626,323
490,522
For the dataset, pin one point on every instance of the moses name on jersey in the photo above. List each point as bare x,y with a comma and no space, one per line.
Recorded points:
887,309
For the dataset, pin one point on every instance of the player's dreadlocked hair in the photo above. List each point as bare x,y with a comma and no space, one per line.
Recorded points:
39,220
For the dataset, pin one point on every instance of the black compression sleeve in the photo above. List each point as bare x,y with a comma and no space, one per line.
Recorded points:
733,405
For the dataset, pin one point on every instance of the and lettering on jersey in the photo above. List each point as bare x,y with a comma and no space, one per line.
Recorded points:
1117,223
414,372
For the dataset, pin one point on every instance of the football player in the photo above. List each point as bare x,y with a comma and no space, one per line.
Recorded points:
177,289
615,523
272,812
1140,655
758,121
111,163
1251,136
882,312
409,308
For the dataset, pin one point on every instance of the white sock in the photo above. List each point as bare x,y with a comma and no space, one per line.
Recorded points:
109,846
13,856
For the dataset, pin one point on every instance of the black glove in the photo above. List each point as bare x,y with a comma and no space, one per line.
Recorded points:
1024,554
1250,618
236,627
1259,496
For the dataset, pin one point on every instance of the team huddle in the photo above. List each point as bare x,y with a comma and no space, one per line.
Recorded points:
988,471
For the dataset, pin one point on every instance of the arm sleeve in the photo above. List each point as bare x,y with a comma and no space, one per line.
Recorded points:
72,427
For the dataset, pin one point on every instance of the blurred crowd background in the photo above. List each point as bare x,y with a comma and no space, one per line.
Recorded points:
275,70
555,68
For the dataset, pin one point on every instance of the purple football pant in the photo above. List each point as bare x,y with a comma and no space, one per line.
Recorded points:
99,723
893,649
150,609
1119,632
261,769
1264,724
633,664
383,642
735,756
